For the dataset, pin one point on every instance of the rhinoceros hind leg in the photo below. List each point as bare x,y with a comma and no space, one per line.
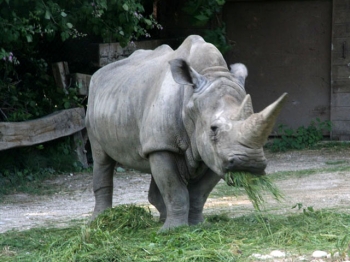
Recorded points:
172,188
156,199
102,178
199,192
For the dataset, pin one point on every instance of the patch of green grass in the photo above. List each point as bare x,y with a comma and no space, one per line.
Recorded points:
222,190
118,235
336,162
332,145
312,171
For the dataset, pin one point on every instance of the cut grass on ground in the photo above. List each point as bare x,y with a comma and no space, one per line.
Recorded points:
129,233
222,190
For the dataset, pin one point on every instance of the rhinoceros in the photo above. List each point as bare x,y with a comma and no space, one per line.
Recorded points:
180,115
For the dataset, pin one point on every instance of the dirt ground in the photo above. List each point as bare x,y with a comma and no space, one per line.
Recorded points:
74,197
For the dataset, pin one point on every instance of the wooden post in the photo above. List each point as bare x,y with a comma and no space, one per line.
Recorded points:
79,147
32,132
60,72
83,81
103,54
56,125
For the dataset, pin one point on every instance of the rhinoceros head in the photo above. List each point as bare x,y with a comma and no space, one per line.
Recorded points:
225,132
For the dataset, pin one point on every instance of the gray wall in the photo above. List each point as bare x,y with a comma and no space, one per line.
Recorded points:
340,95
286,46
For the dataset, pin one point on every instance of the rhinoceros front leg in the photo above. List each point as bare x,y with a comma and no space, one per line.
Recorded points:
102,178
199,192
156,199
173,190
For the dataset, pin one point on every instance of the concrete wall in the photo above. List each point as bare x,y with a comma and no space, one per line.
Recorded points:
340,95
300,47
286,47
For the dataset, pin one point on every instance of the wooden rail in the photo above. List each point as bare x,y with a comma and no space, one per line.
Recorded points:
70,121
59,124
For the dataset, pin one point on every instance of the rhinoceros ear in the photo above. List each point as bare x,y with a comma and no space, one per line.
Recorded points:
185,75
239,71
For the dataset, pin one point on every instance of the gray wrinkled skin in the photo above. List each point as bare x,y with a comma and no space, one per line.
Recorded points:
180,121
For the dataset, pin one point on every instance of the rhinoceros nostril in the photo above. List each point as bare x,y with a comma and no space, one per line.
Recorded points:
231,163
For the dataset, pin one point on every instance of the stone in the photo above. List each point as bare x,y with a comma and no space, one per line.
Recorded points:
319,254
277,253
260,256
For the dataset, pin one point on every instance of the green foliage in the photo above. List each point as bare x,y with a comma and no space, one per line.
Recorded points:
20,103
114,20
71,98
32,36
26,22
204,12
33,33
219,239
302,137
27,89
217,37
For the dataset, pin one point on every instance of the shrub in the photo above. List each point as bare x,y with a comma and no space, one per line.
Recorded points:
204,12
302,137
32,31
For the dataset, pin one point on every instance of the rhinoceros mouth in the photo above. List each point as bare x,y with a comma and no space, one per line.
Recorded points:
254,171
236,164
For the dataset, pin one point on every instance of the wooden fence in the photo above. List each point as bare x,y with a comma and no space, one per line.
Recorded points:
71,121
53,126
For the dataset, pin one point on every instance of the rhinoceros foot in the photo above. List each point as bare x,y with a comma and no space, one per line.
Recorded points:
103,199
195,219
172,224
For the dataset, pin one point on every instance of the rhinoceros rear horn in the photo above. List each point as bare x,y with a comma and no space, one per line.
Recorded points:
256,128
246,108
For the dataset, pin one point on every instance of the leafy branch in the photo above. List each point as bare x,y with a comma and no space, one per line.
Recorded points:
205,11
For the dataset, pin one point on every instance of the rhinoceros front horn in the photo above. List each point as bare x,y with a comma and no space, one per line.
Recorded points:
256,128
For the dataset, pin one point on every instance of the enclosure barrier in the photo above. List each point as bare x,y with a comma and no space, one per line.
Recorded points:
71,121
58,124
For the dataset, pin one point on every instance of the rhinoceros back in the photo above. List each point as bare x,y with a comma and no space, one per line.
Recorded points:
135,107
